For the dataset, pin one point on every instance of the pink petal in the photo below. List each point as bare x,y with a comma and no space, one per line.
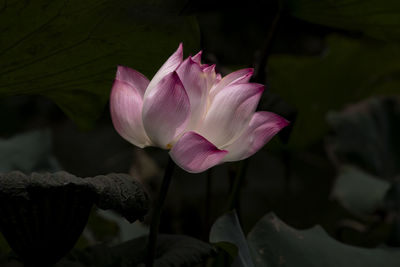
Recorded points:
230,112
219,77
126,113
239,76
210,75
197,58
133,78
262,127
209,69
195,83
166,110
194,153
168,67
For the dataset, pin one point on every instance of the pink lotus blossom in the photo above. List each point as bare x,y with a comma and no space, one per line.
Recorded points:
188,108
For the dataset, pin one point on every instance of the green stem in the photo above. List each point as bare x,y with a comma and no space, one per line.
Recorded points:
260,75
155,221
237,182
206,229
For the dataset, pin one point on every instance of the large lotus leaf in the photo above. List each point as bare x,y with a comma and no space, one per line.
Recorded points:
45,213
68,50
376,18
358,191
349,70
367,135
116,191
28,152
273,243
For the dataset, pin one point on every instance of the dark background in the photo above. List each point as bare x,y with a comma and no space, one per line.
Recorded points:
332,68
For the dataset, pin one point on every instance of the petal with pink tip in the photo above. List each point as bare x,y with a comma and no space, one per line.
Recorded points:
230,112
218,78
133,78
239,76
262,127
195,154
168,67
126,113
197,58
195,83
166,110
211,76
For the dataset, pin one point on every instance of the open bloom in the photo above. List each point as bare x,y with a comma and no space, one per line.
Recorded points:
188,108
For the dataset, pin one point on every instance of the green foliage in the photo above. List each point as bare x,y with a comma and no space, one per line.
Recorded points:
28,152
273,243
68,51
102,229
358,191
368,185
226,230
373,157
375,123
376,18
172,250
4,247
349,70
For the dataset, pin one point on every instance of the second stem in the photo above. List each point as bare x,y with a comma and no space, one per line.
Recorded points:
155,221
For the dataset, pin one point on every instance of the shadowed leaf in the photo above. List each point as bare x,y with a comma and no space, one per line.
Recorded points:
227,230
273,244
349,70
376,124
376,18
45,213
172,251
358,191
69,50
28,152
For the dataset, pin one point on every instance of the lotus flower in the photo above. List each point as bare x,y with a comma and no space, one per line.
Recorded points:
189,109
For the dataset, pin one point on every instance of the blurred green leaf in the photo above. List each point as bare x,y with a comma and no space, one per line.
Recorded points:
367,136
227,230
127,231
348,71
28,152
69,50
273,243
172,250
101,229
376,18
4,247
358,191
392,203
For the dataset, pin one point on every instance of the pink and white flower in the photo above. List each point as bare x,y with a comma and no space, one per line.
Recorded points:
188,108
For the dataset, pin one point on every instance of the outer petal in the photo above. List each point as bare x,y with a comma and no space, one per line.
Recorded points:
239,76
133,78
195,83
262,127
166,111
126,113
194,153
230,112
168,67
